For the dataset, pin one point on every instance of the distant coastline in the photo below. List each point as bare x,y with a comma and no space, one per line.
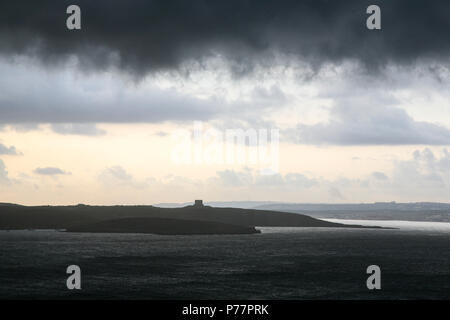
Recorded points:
193,219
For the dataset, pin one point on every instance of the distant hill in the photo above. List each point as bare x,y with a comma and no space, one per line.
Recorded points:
411,211
377,206
162,226
2,204
66,217
420,211
219,204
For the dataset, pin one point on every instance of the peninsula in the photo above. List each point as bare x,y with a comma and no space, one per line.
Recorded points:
194,219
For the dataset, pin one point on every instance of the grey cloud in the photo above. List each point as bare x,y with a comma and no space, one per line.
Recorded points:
4,150
161,134
290,179
335,193
74,106
370,125
144,36
118,176
249,178
4,179
119,173
22,127
379,175
50,171
425,176
444,161
85,129
235,179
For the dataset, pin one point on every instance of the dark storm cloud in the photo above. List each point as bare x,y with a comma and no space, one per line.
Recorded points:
72,106
142,36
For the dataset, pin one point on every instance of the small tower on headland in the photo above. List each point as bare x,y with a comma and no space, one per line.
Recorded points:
198,203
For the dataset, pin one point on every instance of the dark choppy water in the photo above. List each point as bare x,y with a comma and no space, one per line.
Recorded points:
308,263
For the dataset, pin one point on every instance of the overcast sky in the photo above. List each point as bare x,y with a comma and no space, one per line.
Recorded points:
94,115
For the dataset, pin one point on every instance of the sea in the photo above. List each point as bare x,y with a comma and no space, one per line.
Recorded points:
279,263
